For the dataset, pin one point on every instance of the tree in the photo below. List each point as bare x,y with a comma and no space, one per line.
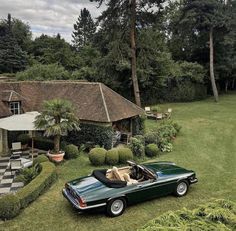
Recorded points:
12,58
128,14
84,29
206,16
57,118
48,50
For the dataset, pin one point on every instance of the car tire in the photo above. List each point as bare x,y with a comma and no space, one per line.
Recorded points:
181,188
116,207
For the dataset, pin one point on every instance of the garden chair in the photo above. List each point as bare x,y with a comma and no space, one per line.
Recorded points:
16,149
148,110
168,113
15,165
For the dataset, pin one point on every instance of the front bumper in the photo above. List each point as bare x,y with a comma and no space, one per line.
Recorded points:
193,181
71,199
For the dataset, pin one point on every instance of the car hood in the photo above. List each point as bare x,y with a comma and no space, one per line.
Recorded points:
166,168
89,188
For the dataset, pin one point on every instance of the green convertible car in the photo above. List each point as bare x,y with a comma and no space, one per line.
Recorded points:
116,188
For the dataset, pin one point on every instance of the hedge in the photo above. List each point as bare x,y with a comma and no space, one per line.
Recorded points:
215,215
97,156
43,143
91,133
112,156
151,150
71,151
37,186
10,205
124,155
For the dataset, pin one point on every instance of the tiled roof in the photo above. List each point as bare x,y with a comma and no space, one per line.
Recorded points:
93,101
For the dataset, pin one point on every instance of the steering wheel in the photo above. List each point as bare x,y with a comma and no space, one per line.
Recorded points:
135,173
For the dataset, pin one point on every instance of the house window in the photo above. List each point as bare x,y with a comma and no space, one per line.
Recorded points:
15,108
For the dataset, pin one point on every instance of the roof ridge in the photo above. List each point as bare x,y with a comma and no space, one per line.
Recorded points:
51,81
122,97
104,103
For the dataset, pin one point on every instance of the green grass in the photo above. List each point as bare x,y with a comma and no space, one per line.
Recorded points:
206,144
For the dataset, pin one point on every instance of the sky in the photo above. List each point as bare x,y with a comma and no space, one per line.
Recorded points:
48,16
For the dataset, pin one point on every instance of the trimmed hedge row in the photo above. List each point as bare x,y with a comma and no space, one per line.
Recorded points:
100,156
10,205
43,143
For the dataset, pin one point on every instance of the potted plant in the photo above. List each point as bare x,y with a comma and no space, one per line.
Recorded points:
57,118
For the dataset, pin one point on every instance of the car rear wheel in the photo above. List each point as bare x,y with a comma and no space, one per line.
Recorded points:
116,207
181,188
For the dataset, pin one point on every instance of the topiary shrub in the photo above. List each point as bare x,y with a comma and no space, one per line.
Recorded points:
9,206
71,151
151,138
151,150
124,155
112,156
97,156
137,147
23,138
40,159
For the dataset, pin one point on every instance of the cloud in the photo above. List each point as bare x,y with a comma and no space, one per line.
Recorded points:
48,16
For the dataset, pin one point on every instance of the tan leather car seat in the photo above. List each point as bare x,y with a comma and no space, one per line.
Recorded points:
116,174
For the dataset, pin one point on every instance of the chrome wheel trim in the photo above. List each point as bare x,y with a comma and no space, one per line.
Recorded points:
117,206
182,188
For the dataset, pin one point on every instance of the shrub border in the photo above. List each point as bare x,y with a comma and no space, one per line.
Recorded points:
35,188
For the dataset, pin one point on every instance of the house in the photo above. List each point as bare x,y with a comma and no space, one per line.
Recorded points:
95,103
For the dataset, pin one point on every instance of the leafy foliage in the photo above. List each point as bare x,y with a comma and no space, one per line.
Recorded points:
9,206
23,138
212,216
137,147
57,118
151,150
42,72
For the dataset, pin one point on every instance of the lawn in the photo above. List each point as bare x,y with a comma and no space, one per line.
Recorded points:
206,144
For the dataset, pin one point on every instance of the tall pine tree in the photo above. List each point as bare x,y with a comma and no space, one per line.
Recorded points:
84,29
12,58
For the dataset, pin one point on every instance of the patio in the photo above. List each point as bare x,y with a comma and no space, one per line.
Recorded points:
7,184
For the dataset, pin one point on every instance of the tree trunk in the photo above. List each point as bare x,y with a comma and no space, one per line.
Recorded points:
226,85
133,53
212,76
57,143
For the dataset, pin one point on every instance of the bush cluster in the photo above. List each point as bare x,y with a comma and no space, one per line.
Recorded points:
215,215
71,151
99,156
10,205
40,159
137,147
163,135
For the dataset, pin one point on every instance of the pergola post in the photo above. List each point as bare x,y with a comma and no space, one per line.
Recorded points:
3,142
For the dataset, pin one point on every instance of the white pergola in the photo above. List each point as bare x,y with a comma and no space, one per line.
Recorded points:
21,122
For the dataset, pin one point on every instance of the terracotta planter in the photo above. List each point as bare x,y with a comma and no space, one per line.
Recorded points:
56,157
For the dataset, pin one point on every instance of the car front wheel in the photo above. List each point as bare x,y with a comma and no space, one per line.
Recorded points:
181,188
116,207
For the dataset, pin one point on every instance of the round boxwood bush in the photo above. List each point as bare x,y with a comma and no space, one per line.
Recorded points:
71,151
124,155
151,150
9,206
112,156
97,156
23,138
40,159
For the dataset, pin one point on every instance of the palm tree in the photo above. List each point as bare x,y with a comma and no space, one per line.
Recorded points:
57,118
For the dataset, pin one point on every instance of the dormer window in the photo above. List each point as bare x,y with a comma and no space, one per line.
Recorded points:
15,107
